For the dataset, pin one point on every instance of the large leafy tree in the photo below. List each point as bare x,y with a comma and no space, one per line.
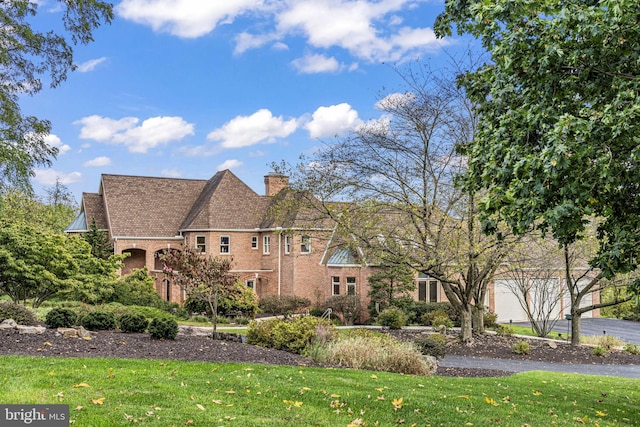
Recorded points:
557,142
26,57
19,206
559,108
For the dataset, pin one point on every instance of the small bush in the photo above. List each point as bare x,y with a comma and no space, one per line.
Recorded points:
521,347
316,312
386,354
503,330
430,347
632,348
61,318
600,351
200,319
163,328
242,320
438,318
18,312
291,335
133,323
392,317
490,318
99,321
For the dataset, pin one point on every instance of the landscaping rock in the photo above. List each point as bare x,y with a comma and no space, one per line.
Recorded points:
552,344
30,329
68,332
8,324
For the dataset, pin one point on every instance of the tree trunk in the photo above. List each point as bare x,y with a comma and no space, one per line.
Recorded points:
466,330
478,319
575,329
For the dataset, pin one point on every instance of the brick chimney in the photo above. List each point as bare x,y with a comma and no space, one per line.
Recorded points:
274,182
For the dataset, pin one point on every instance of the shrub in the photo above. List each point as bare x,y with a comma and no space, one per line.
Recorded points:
392,317
61,318
503,330
600,351
285,305
242,320
425,308
316,312
439,338
99,321
379,354
430,347
163,328
200,319
439,317
292,335
18,312
490,318
521,347
136,288
133,323
632,348
346,307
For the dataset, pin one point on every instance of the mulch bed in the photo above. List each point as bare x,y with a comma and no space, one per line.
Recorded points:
202,348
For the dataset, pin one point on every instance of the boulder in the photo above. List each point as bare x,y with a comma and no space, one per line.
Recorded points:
68,332
30,329
8,324
83,333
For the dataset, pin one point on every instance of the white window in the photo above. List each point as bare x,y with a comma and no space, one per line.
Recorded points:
254,242
305,244
335,285
224,244
201,244
266,244
287,244
351,285
251,283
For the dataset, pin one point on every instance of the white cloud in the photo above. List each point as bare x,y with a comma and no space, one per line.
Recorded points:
171,173
333,120
314,63
97,162
151,133
367,29
229,164
50,176
395,101
244,131
184,18
364,28
54,141
91,64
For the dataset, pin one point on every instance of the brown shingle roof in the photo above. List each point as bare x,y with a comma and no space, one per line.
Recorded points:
148,207
226,203
93,207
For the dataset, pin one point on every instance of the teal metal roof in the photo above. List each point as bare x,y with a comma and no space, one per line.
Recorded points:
78,224
342,257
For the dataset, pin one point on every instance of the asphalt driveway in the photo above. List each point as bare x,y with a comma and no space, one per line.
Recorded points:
626,330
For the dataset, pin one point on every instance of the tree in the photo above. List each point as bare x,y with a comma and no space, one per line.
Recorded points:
98,240
403,208
27,56
559,119
34,264
556,145
389,284
17,206
200,276
532,272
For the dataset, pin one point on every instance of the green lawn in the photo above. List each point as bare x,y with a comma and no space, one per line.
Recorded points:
113,392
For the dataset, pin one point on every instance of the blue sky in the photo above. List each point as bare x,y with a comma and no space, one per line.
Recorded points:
184,88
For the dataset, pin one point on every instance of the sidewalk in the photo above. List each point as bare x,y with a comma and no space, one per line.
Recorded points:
511,365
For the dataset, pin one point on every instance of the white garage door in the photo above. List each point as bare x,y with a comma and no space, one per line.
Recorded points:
507,306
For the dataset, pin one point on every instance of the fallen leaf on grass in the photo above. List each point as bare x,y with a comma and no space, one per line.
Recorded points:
199,406
99,401
397,403
81,385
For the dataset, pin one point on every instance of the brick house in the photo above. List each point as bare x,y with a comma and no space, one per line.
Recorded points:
221,217
274,253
